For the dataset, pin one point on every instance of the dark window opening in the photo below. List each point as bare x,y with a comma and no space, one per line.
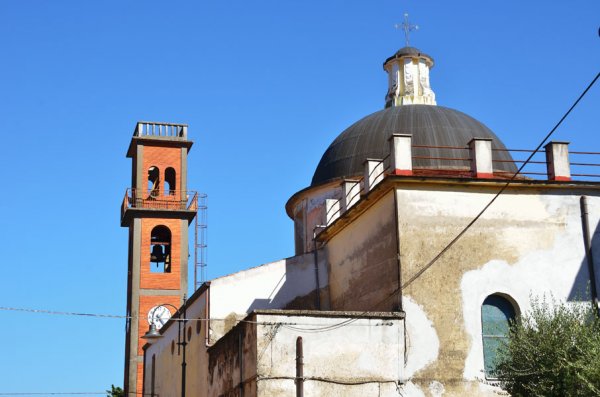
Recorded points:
170,181
497,313
160,250
153,181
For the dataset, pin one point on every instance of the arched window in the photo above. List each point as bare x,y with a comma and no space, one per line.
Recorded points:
170,181
160,250
153,181
497,312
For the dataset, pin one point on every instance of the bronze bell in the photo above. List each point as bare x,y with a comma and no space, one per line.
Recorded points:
157,255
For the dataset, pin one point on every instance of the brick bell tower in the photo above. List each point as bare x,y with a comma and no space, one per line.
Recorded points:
157,209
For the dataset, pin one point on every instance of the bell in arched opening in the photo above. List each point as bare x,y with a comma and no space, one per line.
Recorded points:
157,255
160,250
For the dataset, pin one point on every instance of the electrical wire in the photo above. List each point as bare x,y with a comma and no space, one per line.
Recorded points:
350,321
504,187
54,393
328,380
63,313
90,393
469,225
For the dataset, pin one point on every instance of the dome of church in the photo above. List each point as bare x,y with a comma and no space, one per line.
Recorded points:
436,127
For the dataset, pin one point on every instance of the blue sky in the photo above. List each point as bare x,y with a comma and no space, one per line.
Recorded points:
265,87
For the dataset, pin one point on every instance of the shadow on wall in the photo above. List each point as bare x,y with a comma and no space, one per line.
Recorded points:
581,289
297,288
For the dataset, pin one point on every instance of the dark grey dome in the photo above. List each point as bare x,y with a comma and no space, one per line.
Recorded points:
428,125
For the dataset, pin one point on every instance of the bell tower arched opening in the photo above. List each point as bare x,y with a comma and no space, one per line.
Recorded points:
170,181
160,250
153,181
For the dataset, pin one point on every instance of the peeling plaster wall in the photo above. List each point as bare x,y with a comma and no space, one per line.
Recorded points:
224,361
289,283
362,260
529,243
307,213
367,351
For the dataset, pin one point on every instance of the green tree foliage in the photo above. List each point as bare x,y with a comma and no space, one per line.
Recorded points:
115,392
554,350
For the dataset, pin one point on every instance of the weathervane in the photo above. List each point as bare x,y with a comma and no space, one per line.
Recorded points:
406,27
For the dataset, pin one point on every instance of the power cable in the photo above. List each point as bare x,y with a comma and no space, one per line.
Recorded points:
61,313
404,285
104,393
175,318
470,224
466,228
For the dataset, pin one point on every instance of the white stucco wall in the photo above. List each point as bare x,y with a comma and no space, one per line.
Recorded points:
558,271
271,286
362,260
306,210
365,354
528,244
168,361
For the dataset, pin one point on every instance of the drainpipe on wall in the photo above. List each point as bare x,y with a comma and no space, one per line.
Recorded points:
316,255
207,311
318,287
299,368
588,251
398,261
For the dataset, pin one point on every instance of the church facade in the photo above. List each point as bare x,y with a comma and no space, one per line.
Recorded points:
374,302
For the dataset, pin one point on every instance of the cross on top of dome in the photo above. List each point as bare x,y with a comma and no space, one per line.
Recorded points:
406,27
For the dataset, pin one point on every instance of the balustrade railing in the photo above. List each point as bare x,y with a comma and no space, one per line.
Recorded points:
581,163
544,165
175,200
583,166
155,129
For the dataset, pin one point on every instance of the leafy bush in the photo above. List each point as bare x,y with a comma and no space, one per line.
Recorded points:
115,392
554,350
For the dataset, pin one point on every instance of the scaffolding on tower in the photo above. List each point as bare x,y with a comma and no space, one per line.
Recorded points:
200,245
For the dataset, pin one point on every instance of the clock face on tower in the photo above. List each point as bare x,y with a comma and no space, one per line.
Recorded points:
158,316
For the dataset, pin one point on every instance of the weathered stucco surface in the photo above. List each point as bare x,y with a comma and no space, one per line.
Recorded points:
363,268
168,361
288,283
232,362
528,243
336,361
362,358
306,209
